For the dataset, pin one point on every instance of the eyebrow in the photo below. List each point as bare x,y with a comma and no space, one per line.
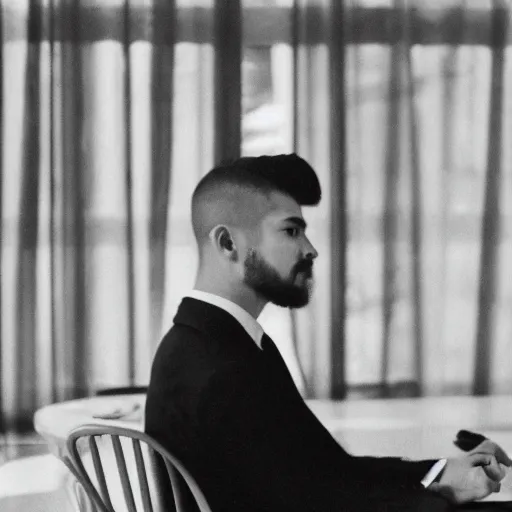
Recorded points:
297,220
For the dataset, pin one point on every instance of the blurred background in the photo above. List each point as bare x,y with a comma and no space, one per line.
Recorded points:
112,110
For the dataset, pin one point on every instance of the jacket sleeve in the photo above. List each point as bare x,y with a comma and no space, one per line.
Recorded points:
275,454
391,470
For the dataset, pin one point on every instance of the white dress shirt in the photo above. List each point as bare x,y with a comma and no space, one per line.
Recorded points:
255,331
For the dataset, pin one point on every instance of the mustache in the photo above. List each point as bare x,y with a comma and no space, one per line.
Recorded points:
304,266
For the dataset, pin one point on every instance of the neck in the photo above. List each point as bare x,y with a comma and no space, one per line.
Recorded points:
242,296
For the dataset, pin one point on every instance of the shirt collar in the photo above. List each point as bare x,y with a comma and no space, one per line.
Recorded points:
248,322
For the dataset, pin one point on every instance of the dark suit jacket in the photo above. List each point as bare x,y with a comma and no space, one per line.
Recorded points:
232,414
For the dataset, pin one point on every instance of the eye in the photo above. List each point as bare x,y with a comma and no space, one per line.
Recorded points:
293,232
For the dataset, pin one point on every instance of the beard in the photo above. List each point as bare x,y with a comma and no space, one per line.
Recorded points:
264,279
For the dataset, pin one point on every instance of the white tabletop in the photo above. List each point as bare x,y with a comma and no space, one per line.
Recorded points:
416,428
54,422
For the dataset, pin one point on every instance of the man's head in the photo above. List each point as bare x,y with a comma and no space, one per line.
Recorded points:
248,223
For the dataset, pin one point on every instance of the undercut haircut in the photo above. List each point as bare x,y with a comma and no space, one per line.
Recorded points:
226,185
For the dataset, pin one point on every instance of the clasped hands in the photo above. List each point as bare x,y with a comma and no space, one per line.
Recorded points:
474,475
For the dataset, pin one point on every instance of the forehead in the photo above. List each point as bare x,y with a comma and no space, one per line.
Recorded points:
280,207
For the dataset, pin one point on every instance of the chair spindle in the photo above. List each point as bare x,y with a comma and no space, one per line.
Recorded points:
123,473
100,474
143,479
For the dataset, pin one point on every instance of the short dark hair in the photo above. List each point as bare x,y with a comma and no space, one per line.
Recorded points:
224,189
288,173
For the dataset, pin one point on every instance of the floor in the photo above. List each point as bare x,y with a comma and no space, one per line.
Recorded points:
30,477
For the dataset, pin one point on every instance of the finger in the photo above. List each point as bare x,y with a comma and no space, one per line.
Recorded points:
493,470
491,447
480,459
486,487
502,456
493,486
489,464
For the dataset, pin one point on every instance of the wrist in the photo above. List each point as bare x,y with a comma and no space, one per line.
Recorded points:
445,491
443,487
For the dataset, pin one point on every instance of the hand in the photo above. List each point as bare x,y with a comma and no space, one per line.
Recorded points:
492,448
474,475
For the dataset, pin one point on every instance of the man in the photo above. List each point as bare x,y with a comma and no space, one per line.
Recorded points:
220,396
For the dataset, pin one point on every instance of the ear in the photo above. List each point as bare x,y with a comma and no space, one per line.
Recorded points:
223,241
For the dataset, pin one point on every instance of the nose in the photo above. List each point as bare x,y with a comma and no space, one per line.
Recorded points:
310,252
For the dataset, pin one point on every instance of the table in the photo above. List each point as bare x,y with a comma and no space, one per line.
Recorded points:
417,428
54,422
412,428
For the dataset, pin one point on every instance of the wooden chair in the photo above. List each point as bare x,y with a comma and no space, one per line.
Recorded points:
105,456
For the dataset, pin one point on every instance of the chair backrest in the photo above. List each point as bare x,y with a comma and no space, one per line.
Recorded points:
119,470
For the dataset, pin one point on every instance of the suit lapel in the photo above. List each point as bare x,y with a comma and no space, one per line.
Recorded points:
216,323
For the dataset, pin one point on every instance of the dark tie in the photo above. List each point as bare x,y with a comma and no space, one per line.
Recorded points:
273,356
266,343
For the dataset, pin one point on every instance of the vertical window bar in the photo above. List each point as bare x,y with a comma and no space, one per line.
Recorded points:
338,198
491,214
128,194
227,79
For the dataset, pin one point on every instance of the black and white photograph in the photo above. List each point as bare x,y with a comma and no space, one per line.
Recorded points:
255,255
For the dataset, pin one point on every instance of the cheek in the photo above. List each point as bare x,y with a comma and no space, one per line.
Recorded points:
279,250
281,256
